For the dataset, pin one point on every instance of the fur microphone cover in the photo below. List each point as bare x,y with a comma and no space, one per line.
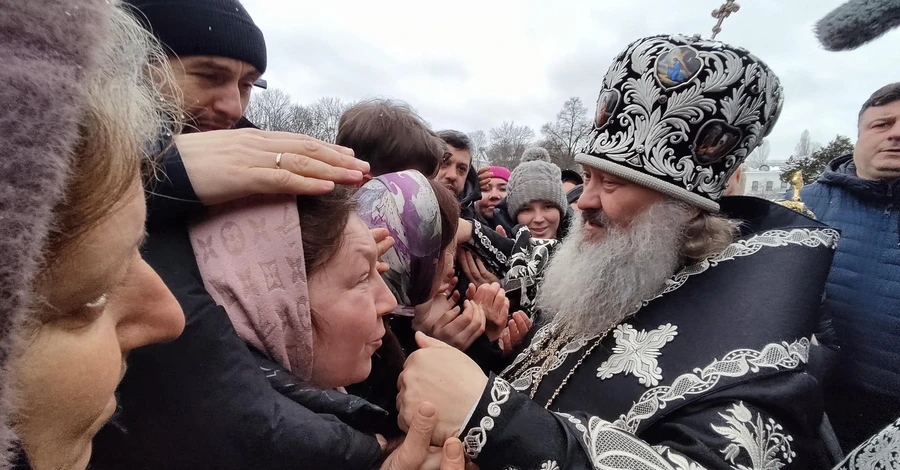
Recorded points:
857,22
46,49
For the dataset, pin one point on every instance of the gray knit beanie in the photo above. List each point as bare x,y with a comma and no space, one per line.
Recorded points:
535,179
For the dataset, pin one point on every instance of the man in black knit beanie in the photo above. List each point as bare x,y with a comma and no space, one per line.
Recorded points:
217,55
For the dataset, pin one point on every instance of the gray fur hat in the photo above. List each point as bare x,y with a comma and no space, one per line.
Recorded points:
535,179
46,48
857,22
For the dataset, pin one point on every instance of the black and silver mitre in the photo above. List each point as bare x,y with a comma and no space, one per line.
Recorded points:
680,114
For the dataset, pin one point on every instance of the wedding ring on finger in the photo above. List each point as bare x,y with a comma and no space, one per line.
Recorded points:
278,161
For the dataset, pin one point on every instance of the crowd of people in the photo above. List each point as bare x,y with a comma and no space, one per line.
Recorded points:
180,289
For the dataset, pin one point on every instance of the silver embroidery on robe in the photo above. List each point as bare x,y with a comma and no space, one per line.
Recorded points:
636,351
773,238
763,442
737,363
486,242
613,449
879,452
476,438
548,465
810,238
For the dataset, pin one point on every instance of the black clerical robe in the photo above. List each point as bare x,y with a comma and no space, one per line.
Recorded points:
708,374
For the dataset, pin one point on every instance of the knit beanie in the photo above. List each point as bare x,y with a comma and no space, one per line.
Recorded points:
219,28
500,172
46,48
535,179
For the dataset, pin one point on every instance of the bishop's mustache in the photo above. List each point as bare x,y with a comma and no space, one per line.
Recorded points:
596,217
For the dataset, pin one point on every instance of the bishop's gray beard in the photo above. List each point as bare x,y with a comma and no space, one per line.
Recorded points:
591,285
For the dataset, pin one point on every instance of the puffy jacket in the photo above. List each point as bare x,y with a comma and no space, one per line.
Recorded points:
862,297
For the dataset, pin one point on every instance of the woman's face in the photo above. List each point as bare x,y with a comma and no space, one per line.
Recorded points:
348,299
99,300
541,217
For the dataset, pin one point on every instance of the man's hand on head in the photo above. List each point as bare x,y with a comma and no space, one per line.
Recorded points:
231,164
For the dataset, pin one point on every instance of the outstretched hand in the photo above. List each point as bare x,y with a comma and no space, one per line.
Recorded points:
474,268
515,332
457,329
492,298
231,164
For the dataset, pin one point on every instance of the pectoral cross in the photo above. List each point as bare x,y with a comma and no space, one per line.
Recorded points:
723,12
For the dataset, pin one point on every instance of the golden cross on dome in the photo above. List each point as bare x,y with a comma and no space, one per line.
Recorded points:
724,11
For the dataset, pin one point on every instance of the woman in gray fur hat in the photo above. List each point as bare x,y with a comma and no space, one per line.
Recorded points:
76,294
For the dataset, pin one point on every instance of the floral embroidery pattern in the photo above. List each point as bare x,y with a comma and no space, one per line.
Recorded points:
880,452
476,438
635,353
611,448
764,442
738,363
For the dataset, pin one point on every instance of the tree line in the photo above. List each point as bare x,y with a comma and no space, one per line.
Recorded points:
503,145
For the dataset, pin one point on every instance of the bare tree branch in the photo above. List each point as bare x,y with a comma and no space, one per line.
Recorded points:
273,110
270,110
565,136
508,142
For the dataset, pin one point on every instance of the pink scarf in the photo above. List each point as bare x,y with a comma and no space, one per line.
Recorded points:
250,256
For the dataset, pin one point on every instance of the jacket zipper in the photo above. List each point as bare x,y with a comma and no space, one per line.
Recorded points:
892,206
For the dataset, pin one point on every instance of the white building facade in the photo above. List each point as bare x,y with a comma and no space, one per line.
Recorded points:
765,182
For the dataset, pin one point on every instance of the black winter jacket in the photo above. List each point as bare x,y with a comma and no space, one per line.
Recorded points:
204,399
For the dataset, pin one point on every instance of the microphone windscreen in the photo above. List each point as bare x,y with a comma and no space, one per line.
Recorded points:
857,22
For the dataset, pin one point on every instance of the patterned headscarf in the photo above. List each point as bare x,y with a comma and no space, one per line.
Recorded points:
405,204
250,255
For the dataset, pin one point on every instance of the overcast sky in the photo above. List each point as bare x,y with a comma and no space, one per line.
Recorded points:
472,64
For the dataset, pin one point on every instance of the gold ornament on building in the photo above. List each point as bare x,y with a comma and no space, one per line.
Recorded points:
724,11
795,203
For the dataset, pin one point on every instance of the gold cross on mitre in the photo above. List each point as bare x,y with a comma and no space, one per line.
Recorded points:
724,11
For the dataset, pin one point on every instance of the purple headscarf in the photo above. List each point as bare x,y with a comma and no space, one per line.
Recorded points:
405,204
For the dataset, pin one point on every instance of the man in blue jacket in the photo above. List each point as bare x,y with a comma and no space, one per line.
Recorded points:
860,195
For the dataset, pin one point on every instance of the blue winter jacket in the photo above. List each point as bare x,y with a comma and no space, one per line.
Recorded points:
862,297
